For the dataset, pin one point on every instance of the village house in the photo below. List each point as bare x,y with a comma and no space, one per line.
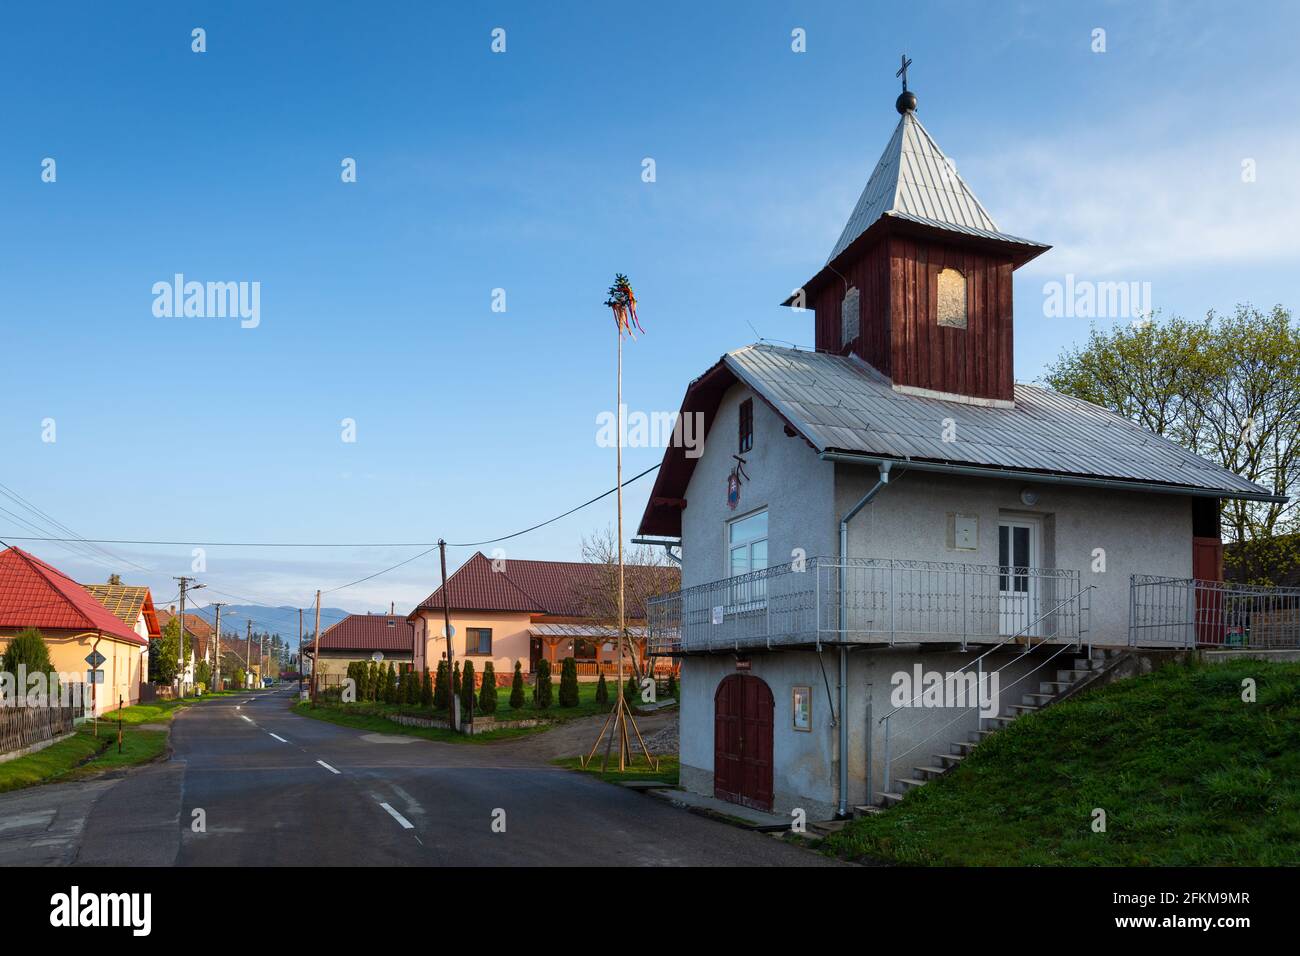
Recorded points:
386,638
76,626
869,518
197,633
516,610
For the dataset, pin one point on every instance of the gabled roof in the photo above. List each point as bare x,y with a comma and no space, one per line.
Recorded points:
558,588
368,632
127,603
843,406
200,630
36,594
916,182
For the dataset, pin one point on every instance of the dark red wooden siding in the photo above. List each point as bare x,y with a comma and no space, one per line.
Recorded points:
897,280
742,741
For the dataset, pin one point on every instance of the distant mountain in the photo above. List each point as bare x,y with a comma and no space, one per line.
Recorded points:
270,620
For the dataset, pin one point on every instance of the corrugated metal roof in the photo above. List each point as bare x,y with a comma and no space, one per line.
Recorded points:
915,181
840,403
597,631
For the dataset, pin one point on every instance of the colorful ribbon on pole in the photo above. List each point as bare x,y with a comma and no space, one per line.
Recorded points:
622,302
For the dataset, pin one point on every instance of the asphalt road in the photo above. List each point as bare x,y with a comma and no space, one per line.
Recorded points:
252,784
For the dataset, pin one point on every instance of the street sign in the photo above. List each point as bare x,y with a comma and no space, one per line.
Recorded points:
94,677
94,658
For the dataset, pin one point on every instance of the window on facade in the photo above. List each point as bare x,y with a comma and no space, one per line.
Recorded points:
478,640
746,425
747,543
849,311
952,299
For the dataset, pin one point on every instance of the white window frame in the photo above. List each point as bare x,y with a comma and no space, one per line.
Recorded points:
752,596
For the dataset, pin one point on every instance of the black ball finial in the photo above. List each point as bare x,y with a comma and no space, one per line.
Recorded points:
906,102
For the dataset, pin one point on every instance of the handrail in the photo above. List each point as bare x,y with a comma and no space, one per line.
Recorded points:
1021,633
967,710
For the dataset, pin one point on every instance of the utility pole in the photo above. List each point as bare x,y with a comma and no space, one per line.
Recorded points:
180,640
453,702
315,660
216,649
261,659
248,651
300,653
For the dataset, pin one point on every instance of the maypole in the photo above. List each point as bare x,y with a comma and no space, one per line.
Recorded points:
622,303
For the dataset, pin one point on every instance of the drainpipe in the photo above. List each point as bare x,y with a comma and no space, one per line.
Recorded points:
843,811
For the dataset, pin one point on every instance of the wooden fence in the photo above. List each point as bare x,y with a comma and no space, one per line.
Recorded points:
25,726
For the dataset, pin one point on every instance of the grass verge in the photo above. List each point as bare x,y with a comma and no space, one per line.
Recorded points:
1187,772
82,755
638,771
361,717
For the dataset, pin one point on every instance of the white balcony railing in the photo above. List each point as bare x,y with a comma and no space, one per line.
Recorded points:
885,600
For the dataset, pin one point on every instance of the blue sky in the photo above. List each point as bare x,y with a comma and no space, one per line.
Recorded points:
522,171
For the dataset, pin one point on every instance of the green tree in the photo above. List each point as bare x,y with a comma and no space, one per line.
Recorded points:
670,688
517,688
412,696
487,697
542,692
467,690
203,674
1225,387
569,683
28,649
440,687
390,685
602,691
455,679
426,689
240,677
630,691
162,664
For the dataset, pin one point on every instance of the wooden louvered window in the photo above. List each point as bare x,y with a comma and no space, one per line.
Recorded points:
951,299
746,425
850,309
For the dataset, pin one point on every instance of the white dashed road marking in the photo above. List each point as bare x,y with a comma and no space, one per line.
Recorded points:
247,718
327,766
406,824
278,737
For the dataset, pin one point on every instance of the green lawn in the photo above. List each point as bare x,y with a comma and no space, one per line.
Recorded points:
1187,773
637,770
82,755
160,711
373,716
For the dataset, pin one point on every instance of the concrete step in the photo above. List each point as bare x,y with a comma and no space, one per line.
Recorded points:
950,759
963,747
1071,676
889,799
907,783
1053,687
929,773
1023,708
865,811
1001,720
1038,700
981,734
1082,664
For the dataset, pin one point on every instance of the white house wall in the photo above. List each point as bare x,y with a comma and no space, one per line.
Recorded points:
785,476
1138,533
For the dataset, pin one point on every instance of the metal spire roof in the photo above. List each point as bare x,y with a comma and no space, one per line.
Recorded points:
915,181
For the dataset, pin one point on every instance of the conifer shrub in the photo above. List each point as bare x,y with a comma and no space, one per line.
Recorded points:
467,690
569,683
517,688
487,697
542,692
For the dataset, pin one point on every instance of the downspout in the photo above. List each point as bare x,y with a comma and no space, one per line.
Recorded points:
865,500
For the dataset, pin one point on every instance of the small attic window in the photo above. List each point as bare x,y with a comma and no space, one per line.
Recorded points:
952,299
746,425
392,623
849,317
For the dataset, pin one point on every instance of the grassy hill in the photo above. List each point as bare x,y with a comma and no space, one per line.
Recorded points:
1188,774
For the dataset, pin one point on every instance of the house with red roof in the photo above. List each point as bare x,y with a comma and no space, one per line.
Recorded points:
362,637
508,610
75,624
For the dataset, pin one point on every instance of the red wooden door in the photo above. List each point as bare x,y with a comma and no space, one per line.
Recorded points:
742,741
1207,565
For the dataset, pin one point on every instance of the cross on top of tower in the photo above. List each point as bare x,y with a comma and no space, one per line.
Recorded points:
906,102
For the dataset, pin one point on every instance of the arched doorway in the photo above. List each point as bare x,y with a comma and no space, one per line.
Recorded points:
742,741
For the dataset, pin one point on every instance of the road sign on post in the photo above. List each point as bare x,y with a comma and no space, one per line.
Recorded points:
94,659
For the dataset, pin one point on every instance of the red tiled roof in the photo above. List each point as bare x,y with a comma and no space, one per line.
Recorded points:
200,631
35,594
368,632
558,588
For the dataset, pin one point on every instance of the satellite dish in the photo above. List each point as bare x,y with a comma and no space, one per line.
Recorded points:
449,632
377,656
